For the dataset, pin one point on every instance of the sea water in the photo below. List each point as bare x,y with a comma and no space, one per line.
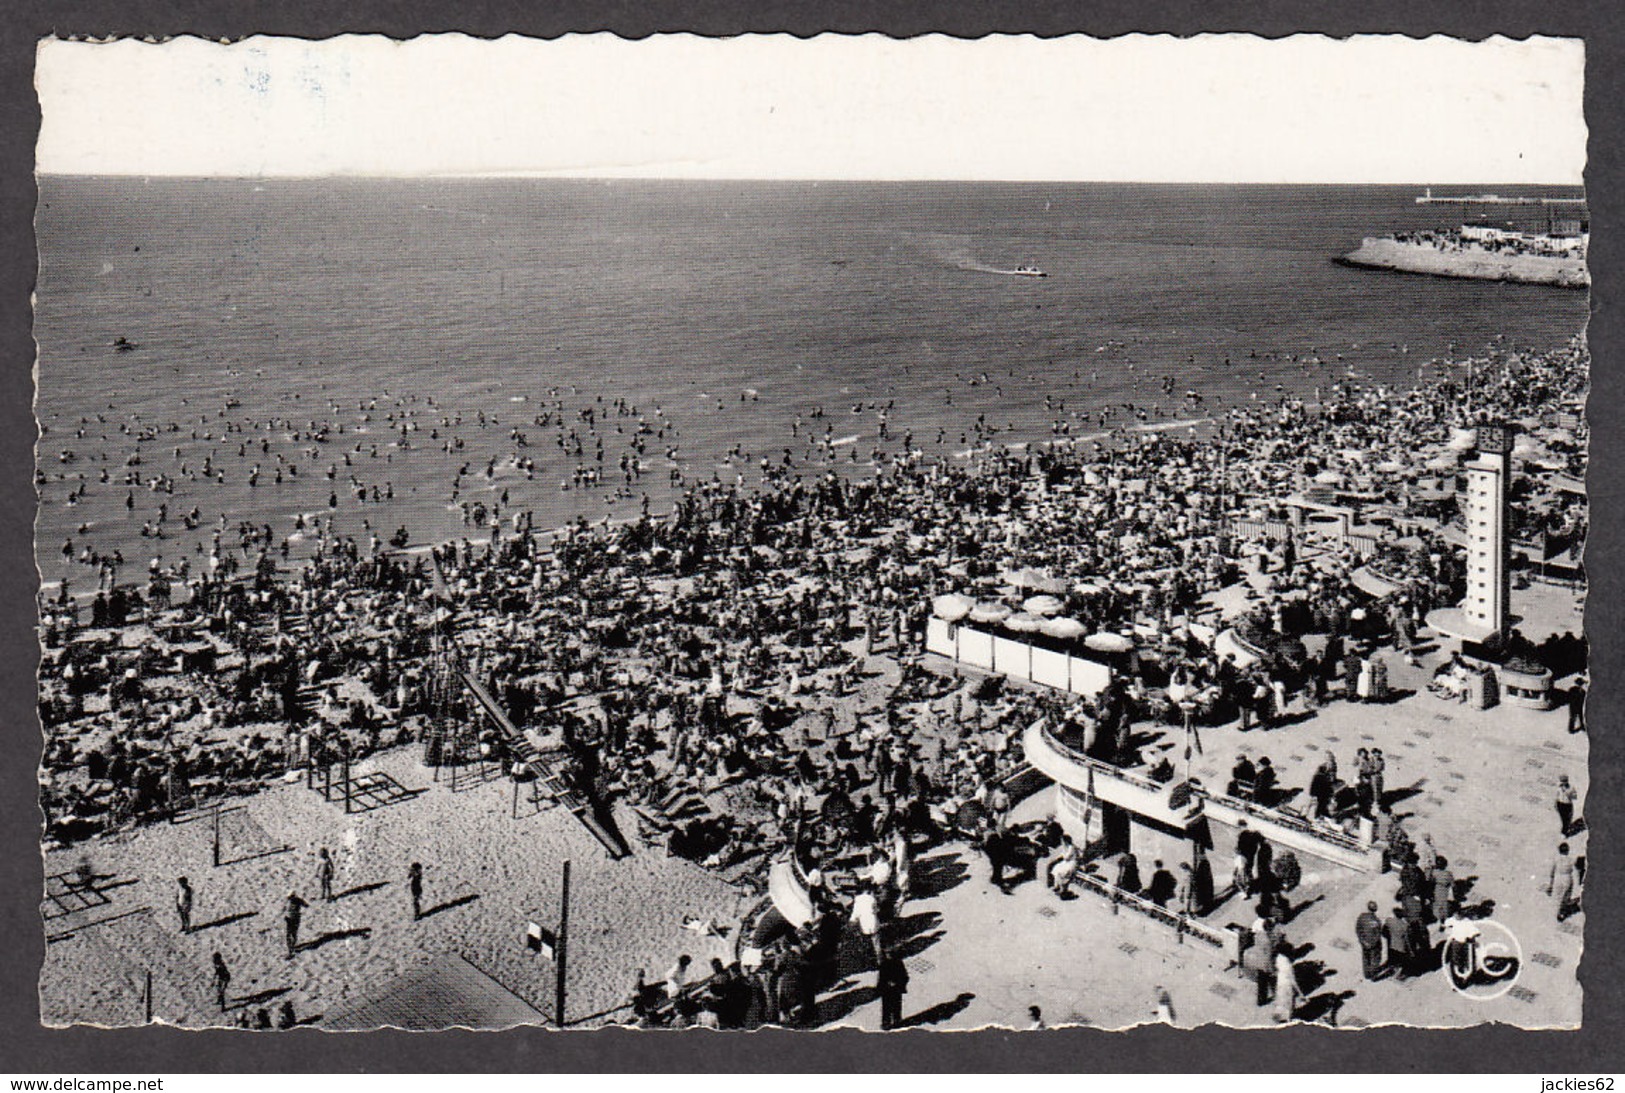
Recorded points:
735,309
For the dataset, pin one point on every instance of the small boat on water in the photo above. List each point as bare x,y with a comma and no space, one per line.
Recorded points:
1029,271
121,344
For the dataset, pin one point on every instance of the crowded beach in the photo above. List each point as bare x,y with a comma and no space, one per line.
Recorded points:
742,684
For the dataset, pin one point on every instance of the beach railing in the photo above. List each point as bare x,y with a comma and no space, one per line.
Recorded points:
1179,803
1087,779
1292,831
1224,940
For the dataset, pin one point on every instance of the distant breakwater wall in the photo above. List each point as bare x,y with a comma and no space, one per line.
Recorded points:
1472,263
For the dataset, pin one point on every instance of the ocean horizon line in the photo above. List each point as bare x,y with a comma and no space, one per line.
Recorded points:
569,176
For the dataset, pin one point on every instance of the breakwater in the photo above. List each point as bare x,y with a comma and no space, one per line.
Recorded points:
1469,262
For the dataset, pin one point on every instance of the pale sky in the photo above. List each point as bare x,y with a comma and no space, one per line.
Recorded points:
1216,108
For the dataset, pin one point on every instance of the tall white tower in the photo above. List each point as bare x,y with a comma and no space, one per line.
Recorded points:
1488,604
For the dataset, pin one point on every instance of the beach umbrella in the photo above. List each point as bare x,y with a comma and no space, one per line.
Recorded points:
952,607
1530,422
989,612
1023,623
1108,643
1329,478
1065,629
1462,439
1443,462
1042,605
1391,466
1088,588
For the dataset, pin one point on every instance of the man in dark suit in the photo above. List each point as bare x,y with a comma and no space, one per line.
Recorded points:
1444,891
1322,785
1162,886
1411,878
1398,932
1248,843
891,980
1368,932
1263,865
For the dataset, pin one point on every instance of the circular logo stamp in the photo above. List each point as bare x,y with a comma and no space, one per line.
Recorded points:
1482,958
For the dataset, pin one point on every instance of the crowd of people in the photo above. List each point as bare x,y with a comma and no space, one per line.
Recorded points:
696,654
1502,242
712,633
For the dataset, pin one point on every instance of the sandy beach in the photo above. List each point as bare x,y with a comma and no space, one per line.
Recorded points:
490,873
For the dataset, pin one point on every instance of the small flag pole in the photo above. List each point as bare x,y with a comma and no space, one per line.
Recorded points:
564,925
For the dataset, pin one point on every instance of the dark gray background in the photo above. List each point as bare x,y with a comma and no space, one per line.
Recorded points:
27,1048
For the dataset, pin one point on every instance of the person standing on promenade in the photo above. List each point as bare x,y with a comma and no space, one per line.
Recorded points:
293,910
1398,932
1241,875
1565,804
1368,932
414,884
1562,884
324,874
891,982
1264,782
1321,787
866,914
1389,834
1248,843
1287,994
1185,890
1577,705
1128,874
995,844
1411,878
183,903
1263,700
1351,676
1259,961
1201,882
222,980
1444,890
1162,887
1379,773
